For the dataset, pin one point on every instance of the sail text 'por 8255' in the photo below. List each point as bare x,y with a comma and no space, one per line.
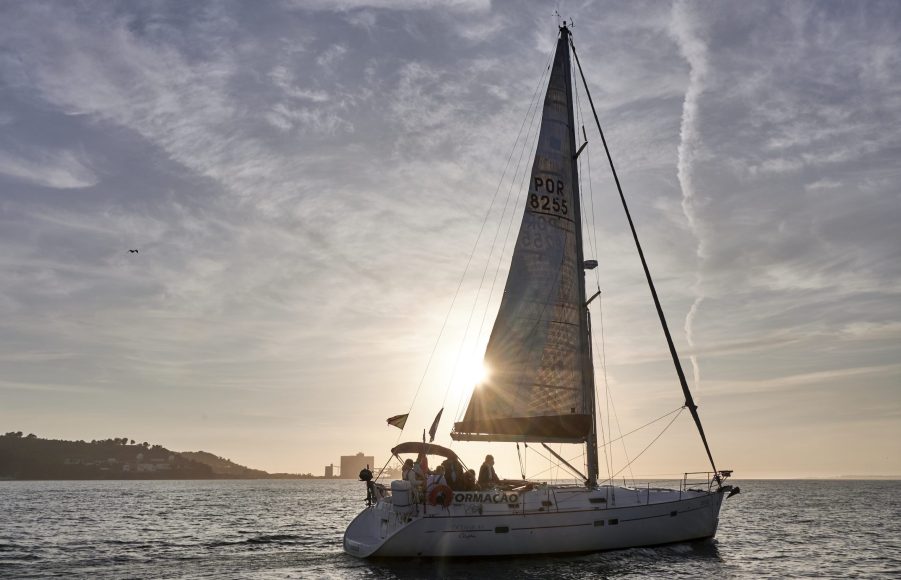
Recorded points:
537,389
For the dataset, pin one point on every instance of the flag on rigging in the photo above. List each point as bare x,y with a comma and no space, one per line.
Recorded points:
435,425
398,421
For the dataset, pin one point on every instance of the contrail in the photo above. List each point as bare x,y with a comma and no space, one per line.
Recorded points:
695,52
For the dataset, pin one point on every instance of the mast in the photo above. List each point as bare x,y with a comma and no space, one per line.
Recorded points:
541,385
689,400
591,441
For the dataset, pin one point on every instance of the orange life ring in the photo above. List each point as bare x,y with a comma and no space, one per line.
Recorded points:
446,498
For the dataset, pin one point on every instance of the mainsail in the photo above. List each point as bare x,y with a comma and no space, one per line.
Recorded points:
540,385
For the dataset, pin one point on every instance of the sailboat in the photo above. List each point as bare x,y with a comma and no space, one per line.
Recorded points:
541,390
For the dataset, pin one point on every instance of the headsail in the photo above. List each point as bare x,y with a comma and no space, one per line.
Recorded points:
540,387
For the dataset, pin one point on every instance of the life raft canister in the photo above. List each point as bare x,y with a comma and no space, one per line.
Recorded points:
441,494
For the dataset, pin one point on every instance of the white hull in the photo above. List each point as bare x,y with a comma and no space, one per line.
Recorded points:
547,520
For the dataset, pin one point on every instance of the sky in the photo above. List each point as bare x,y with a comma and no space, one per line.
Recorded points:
306,184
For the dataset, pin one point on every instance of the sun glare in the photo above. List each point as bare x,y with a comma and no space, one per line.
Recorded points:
474,374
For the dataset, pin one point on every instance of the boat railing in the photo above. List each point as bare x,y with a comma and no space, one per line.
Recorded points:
659,489
699,480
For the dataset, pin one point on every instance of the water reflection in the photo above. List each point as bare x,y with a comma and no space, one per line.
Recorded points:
690,559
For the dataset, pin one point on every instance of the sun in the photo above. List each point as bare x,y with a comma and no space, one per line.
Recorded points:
473,374
469,375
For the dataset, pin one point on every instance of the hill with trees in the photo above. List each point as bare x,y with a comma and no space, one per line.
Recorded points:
224,467
31,457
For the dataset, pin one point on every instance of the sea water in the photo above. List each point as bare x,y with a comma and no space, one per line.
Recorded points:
293,528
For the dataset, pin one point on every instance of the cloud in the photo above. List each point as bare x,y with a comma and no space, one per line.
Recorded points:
182,104
57,169
284,79
305,197
285,118
483,28
694,50
48,387
331,56
806,380
822,184
365,19
405,5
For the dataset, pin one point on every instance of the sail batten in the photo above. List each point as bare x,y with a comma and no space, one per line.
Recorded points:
539,388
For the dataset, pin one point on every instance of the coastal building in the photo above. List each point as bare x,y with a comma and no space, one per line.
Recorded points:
351,465
329,471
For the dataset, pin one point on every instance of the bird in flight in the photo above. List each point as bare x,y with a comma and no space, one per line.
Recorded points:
133,251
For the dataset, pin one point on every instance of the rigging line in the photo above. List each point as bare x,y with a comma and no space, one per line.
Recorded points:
522,467
593,244
525,173
592,231
649,423
506,242
603,445
620,429
525,462
606,381
500,261
465,270
462,343
383,468
597,403
689,402
531,115
610,420
597,274
516,173
592,240
493,242
580,122
584,455
552,466
673,420
443,326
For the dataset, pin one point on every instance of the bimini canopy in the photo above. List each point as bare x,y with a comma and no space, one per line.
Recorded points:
427,448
